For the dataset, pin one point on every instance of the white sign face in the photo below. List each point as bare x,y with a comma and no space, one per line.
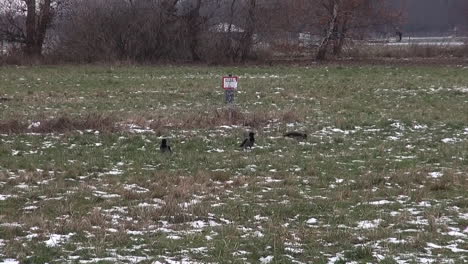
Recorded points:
229,83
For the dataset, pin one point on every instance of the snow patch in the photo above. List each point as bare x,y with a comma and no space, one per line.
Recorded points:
435,174
9,261
266,259
369,224
56,239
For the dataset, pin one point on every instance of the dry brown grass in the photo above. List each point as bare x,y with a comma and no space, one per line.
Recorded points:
177,193
12,126
65,123
409,178
220,176
159,124
103,123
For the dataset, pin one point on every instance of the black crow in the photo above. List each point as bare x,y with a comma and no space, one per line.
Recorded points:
296,135
248,142
400,35
164,146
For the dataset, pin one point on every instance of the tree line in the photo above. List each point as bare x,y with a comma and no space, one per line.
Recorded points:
187,30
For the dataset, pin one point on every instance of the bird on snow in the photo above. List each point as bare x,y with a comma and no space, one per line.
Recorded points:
164,146
248,142
296,135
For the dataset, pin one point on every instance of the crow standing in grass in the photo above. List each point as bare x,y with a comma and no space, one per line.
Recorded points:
165,147
248,142
296,135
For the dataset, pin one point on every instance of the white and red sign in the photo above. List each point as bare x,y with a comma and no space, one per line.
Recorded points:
230,82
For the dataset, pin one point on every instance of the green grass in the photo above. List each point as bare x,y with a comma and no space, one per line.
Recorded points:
375,133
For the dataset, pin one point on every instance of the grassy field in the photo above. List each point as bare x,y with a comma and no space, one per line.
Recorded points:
381,178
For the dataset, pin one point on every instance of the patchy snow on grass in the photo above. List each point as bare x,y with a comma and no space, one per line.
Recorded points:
267,259
56,239
135,188
217,150
174,237
461,89
190,203
22,186
369,224
157,206
184,260
381,202
112,172
116,259
269,179
450,140
30,208
394,240
274,173
202,224
335,259
436,174
14,224
260,218
9,261
419,127
453,247
136,129
105,195
3,197
457,234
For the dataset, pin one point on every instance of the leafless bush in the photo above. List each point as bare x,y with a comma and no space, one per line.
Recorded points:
140,30
12,126
109,30
15,56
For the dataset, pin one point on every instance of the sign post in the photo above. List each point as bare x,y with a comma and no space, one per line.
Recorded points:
230,86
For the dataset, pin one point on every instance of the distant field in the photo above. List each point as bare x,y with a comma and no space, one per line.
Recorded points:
381,178
424,41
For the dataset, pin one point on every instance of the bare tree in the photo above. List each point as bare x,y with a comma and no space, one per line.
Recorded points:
26,22
246,41
137,30
343,19
332,8
195,23
238,29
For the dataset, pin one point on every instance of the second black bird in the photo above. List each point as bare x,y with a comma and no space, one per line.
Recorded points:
164,147
248,142
296,135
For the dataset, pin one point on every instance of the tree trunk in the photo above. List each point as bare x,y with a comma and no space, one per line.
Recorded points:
247,38
31,48
322,50
36,26
340,38
230,50
194,24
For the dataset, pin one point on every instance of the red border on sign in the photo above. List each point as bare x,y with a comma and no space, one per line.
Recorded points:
225,77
